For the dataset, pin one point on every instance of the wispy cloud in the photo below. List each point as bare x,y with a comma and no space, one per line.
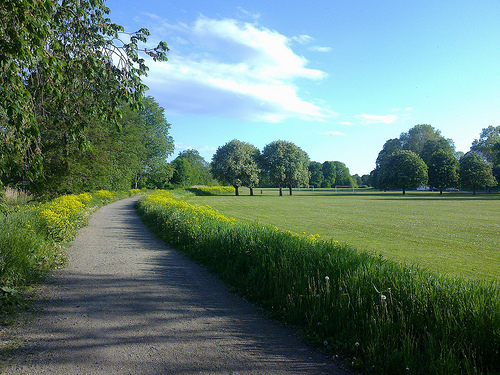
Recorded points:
320,49
303,39
233,69
377,119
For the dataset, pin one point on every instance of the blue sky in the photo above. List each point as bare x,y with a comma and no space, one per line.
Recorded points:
338,78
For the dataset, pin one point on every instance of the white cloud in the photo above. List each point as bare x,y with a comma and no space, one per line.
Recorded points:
376,119
334,133
320,49
303,39
346,123
233,69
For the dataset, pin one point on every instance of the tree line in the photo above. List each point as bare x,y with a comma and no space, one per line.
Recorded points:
423,157
74,117
280,164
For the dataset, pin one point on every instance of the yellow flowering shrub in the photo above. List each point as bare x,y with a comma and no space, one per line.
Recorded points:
62,215
104,195
133,192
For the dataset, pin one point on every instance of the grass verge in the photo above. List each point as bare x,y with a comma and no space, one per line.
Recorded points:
380,315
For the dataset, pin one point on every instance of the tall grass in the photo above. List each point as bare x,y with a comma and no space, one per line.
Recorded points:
382,316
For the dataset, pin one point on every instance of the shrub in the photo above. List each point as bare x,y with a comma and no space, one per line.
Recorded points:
212,190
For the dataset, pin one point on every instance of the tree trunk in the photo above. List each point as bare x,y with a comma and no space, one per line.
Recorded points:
251,191
404,190
440,191
236,192
281,191
290,190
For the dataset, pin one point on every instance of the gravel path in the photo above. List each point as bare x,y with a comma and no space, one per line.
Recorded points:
128,304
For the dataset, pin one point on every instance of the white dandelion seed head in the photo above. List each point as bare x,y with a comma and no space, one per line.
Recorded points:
356,343
327,278
383,297
325,343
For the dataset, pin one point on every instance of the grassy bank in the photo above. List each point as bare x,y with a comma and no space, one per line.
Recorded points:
32,240
380,315
456,234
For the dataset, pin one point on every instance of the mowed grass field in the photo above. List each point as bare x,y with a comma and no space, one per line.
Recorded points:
457,234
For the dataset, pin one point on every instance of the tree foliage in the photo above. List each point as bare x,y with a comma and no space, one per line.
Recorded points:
488,144
183,173
64,65
329,174
475,172
343,176
133,155
286,164
202,175
235,163
405,170
443,170
316,174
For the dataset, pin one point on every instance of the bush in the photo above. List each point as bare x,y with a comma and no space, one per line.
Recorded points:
212,190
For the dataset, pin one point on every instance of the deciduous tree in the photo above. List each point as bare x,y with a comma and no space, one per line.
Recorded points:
443,170
65,65
405,170
329,174
475,173
286,164
343,176
200,165
236,164
316,173
488,144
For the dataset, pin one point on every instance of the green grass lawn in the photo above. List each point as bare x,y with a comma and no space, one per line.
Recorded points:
457,234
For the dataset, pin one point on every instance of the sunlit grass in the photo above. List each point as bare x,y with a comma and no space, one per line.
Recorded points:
382,315
458,234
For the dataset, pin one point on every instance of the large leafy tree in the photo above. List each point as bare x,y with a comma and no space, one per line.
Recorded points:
378,175
488,144
202,167
316,173
343,176
286,164
475,173
329,174
63,65
405,170
443,170
235,163
153,144
421,139
183,173
133,155
416,138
